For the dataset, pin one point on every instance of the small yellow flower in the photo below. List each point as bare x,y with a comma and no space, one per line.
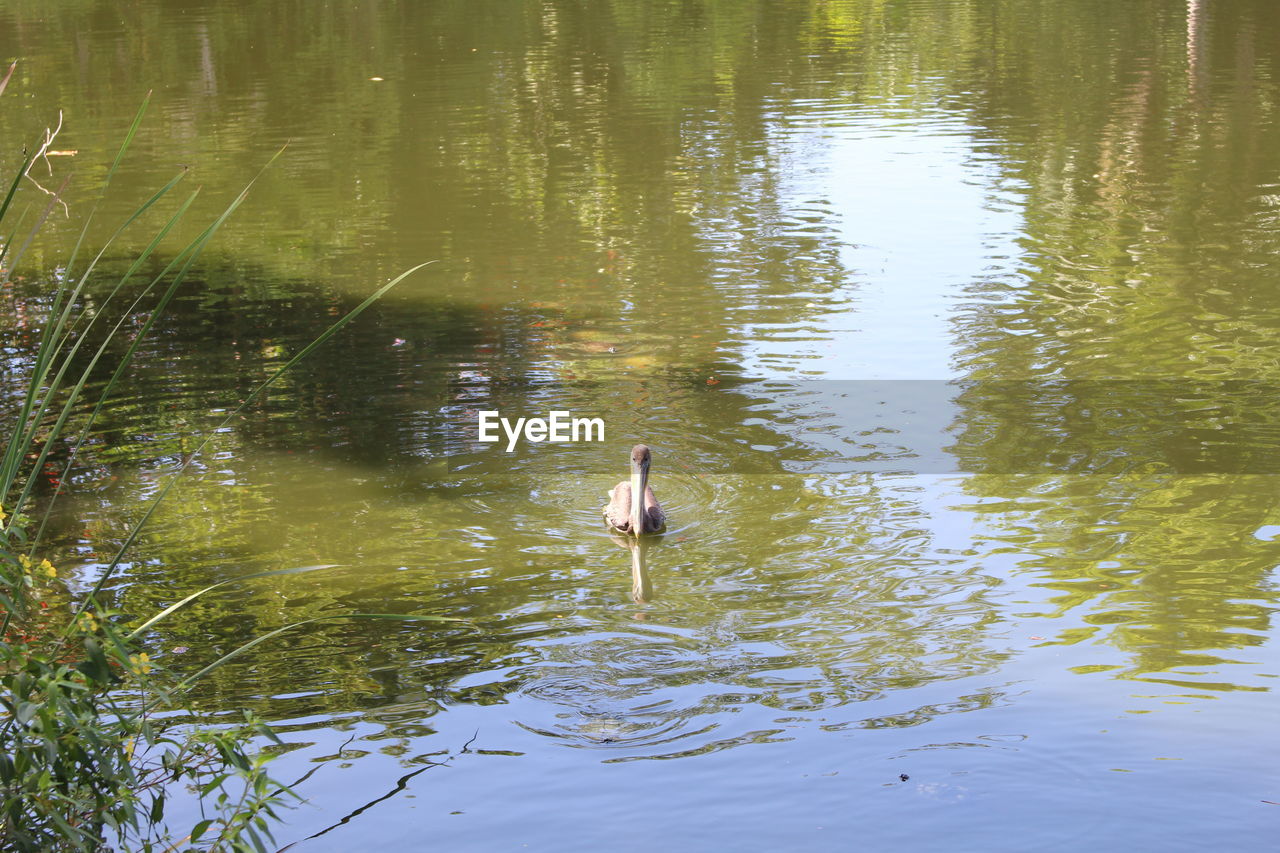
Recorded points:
89,622
48,568
140,663
2,515
25,562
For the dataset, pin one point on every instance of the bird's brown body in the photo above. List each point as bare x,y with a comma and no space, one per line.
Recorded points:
627,514
618,512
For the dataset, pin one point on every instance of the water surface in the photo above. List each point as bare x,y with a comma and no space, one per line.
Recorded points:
951,325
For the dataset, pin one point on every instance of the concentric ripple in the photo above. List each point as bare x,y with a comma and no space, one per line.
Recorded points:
636,691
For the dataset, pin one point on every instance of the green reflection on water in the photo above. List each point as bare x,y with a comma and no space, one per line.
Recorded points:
703,221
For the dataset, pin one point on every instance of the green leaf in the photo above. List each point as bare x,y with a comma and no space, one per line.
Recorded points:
95,666
213,784
157,808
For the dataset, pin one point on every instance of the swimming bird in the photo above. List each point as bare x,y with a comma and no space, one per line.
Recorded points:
632,507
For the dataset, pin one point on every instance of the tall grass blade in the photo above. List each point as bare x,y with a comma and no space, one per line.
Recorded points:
249,400
7,75
128,138
177,605
32,415
44,216
106,183
63,301
235,653
61,308
121,365
4,247
13,188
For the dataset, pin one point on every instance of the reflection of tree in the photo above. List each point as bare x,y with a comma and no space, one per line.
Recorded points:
591,154
1148,225
1117,427
1165,568
1148,234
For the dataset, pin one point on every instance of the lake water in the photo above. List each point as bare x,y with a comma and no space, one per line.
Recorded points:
952,325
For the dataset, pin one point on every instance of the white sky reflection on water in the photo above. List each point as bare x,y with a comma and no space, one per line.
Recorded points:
914,210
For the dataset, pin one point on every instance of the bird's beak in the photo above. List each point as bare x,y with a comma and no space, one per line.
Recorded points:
639,480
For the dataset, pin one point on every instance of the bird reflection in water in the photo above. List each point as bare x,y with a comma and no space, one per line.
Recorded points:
641,584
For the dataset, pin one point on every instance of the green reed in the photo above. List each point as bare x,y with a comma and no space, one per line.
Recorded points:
89,753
